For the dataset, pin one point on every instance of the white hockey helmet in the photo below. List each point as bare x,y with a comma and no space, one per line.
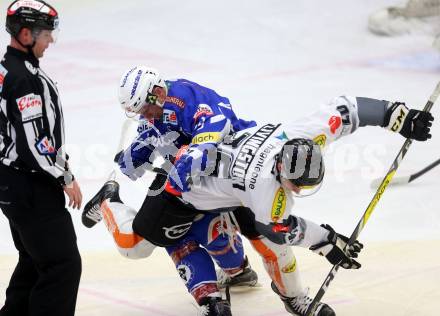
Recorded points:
136,88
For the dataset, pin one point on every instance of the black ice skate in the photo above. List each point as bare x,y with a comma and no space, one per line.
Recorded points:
246,278
298,305
214,306
92,212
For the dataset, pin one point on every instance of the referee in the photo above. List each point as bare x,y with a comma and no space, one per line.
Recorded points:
34,171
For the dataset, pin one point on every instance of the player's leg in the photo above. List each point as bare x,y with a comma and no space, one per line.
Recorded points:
196,269
281,265
118,219
220,237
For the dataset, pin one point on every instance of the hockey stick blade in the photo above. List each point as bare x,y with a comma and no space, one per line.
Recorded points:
396,181
367,214
407,179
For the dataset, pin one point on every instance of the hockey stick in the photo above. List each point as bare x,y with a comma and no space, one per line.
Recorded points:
122,140
407,179
366,216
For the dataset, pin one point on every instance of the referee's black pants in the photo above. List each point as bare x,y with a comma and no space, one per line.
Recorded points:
46,278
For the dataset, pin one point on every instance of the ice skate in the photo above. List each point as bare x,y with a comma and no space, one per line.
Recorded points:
215,306
92,212
248,277
298,305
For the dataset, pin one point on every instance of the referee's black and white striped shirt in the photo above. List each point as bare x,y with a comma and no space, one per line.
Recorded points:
31,118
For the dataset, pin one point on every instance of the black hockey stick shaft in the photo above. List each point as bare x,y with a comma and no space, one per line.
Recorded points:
366,216
424,170
407,179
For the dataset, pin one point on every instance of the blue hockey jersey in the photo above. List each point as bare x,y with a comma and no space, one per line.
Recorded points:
192,114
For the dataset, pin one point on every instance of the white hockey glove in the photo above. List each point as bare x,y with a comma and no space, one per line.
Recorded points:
333,249
409,123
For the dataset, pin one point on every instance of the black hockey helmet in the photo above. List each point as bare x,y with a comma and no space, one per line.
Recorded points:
32,14
302,163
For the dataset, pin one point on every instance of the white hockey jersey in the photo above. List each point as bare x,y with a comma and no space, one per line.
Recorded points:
249,159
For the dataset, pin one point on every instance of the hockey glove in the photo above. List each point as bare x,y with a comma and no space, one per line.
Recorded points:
333,250
180,175
197,161
412,124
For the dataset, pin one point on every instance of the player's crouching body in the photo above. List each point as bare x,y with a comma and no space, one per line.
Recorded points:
268,165
172,114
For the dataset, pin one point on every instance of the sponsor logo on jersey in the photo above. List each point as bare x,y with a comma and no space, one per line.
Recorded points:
169,117
175,232
247,154
3,72
206,138
203,109
259,165
290,268
44,147
346,121
135,84
30,106
282,136
320,140
200,123
334,123
145,125
278,205
177,101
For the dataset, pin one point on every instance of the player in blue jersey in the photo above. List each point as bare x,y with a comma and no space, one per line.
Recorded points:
173,114
198,114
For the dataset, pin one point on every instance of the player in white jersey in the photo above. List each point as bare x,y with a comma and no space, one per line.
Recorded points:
264,167
255,160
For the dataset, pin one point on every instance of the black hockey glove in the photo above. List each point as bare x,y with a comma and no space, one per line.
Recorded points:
333,249
412,124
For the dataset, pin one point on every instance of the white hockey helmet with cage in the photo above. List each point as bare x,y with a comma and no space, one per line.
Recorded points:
136,88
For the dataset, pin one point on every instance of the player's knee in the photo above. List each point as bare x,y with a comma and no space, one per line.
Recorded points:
141,250
269,250
119,219
183,250
221,243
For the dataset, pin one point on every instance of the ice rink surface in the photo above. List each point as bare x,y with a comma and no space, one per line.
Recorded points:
276,61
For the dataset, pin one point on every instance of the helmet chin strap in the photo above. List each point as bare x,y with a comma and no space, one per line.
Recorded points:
30,46
275,168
